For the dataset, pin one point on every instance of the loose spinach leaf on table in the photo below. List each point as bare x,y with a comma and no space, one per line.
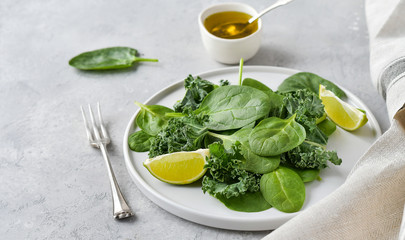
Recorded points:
140,141
233,107
310,81
274,136
107,58
152,118
283,189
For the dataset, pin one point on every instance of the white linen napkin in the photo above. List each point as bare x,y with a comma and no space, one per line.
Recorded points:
370,204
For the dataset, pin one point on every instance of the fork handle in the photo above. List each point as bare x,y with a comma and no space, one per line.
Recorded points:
120,207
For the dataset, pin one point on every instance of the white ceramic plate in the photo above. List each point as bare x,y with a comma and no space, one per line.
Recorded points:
190,203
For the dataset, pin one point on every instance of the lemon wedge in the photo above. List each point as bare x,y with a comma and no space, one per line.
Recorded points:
343,114
178,167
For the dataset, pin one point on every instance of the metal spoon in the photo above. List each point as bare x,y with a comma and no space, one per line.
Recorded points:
234,29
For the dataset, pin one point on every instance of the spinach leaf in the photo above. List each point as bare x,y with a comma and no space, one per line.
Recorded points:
275,100
107,58
307,175
258,164
273,136
310,155
256,84
248,202
140,141
277,108
327,127
310,81
196,90
253,162
283,189
152,118
232,107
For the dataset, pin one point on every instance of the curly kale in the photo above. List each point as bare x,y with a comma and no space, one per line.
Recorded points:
308,108
310,155
181,134
306,105
225,177
196,90
223,82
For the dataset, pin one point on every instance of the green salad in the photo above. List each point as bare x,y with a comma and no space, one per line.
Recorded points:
264,143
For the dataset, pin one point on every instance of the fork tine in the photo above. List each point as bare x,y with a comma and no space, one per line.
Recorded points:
88,132
94,125
103,129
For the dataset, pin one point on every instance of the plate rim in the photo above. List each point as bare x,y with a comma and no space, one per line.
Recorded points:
197,216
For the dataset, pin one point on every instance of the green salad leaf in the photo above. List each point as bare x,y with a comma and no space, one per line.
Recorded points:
248,202
308,108
180,134
310,155
152,118
233,107
283,189
252,162
257,84
140,141
327,127
225,177
108,58
310,81
308,175
273,136
196,90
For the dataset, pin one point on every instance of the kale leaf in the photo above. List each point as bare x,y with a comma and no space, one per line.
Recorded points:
308,108
196,90
225,176
180,134
310,155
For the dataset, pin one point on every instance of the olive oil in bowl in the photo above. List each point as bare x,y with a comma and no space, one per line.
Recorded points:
225,47
230,25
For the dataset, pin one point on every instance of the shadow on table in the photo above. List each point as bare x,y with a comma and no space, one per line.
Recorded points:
270,56
104,73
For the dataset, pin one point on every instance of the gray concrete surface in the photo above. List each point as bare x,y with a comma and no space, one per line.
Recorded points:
53,185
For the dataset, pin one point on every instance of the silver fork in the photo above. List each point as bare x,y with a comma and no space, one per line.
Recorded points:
100,140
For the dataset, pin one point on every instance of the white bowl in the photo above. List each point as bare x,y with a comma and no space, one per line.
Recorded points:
230,51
